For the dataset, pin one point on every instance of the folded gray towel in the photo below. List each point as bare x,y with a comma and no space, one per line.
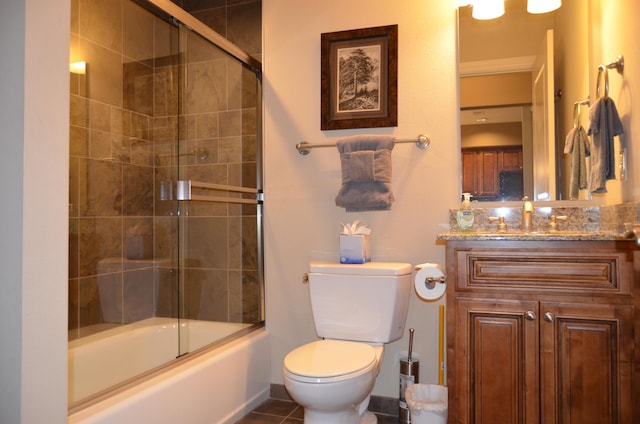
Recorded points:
366,173
603,126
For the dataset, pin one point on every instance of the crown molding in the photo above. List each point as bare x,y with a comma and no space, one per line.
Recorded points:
497,66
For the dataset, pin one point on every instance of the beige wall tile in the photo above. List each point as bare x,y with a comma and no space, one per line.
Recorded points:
101,21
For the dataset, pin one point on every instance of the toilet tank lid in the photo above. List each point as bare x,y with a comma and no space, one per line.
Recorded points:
367,268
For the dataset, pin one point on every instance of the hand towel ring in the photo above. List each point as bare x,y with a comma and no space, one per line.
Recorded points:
576,111
603,70
618,65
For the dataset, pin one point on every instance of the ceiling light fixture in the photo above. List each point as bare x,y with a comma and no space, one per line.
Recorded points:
487,9
543,6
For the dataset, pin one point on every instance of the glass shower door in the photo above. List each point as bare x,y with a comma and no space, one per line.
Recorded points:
154,275
219,194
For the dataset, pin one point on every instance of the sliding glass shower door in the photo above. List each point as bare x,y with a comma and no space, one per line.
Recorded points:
165,247
218,187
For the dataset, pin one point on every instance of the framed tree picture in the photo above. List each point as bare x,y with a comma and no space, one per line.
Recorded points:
359,73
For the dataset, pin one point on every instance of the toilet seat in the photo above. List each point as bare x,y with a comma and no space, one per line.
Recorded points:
329,360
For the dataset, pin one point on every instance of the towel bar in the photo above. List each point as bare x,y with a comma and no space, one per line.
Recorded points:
304,148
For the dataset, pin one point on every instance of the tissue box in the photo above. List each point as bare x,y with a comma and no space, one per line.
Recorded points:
355,249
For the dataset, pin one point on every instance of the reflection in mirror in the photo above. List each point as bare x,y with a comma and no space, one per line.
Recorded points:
493,144
520,76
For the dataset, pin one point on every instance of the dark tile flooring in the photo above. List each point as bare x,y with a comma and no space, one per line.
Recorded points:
278,411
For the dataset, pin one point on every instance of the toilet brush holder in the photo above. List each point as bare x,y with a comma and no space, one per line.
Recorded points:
409,375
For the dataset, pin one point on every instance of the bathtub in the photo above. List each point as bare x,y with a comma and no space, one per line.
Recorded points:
217,385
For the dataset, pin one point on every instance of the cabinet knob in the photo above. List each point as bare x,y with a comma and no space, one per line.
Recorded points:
530,315
548,316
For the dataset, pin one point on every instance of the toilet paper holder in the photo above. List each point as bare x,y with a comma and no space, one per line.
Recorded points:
430,281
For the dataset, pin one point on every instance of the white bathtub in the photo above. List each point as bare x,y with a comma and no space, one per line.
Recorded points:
218,386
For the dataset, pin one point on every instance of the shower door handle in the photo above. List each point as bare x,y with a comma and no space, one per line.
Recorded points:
184,191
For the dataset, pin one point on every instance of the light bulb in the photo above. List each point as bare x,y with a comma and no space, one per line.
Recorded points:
543,6
487,9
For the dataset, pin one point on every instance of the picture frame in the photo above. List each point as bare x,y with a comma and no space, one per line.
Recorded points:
359,78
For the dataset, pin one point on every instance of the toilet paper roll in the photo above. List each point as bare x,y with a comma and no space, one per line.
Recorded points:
429,281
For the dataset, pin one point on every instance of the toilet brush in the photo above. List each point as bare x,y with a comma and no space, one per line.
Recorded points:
409,375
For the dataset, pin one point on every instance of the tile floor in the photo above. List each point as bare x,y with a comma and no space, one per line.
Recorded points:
276,411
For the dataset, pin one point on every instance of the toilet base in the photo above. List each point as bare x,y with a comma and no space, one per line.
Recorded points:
357,415
336,401
368,418
344,417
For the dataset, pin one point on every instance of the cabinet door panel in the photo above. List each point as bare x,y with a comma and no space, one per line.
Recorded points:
585,361
512,160
489,169
469,172
498,362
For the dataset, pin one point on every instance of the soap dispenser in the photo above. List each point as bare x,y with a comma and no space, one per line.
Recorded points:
465,215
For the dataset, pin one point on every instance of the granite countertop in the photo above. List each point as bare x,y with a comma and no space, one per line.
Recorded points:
580,222
516,235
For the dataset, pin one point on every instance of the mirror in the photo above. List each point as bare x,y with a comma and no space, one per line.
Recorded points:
520,75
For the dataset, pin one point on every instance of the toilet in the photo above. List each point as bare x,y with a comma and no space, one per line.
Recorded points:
356,308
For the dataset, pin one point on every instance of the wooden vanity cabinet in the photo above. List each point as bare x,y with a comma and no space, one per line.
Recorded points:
542,332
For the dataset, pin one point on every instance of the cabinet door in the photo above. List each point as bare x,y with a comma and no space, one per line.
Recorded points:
468,172
496,351
480,175
488,180
511,160
586,363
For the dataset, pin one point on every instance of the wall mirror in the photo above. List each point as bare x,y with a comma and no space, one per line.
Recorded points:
520,76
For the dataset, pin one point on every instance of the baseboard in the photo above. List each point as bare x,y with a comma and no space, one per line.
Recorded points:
247,407
378,404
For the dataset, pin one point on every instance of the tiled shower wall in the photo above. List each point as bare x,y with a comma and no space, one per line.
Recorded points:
124,127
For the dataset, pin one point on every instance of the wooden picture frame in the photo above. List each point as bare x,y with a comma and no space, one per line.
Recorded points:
359,78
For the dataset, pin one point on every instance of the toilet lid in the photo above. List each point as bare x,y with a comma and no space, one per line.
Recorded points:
329,358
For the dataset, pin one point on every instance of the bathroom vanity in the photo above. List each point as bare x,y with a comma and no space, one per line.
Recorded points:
540,328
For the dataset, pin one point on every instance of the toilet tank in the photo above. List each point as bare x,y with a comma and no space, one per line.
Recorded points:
361,302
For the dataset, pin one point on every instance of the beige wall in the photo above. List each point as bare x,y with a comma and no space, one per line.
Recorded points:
618,35
301,219
34,122
495,90
482,135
